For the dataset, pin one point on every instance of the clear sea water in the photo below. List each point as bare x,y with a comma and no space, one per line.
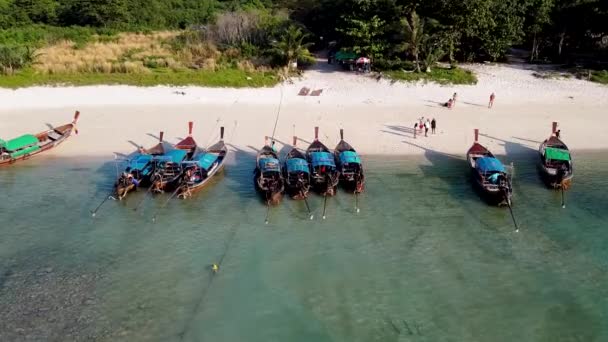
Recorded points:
424,260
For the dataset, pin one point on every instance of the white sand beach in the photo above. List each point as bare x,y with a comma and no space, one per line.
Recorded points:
377,116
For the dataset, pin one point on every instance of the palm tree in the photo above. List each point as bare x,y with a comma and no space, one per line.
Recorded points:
414,36
291,46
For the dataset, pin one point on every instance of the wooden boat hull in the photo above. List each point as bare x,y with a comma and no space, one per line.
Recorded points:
495,197
551,175
350,180
297,182
297,193
268,196
192,189
490,193
122,191
552,180
352,185
274,195
49,139
325,184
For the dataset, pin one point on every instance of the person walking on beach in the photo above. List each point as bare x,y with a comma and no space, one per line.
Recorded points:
426,127
492,97
454,99
415,128
433,125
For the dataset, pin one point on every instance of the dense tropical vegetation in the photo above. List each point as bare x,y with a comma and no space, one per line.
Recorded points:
260,38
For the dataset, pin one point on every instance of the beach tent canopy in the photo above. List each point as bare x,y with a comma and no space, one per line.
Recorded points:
342,55
20,142
557,154
297,164
206,160
323,159
269,165
489,164
350,157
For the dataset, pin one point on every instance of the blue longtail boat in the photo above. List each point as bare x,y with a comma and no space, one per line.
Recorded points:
349,165
199,171
297,173
268,178
489,174
324,173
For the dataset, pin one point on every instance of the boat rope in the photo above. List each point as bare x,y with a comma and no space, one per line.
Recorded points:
276,121
207,287
211,134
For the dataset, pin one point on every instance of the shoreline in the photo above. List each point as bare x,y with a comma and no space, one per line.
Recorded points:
377,116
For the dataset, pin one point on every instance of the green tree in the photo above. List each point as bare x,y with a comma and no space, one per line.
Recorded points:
539,17
414,36
97,13
36,11
291,46
365,36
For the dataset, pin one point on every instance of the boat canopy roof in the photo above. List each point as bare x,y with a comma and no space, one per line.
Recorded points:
350,157
322,159
489,164
557,154
175,156
269,165
19,142
297,164
140,161
205,160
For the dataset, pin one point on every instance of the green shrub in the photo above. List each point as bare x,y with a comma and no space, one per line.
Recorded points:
386,65
13,58
39,35
600,76
437,75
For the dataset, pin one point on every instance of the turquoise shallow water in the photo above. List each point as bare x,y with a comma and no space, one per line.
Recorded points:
424,260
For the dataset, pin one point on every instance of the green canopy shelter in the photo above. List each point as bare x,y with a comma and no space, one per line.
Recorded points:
344,55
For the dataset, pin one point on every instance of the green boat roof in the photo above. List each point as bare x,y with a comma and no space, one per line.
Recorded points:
557,154
20,142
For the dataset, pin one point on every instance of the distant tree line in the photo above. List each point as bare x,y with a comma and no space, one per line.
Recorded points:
388,31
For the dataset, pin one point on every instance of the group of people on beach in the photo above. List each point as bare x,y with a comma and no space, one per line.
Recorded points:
452,102
425,125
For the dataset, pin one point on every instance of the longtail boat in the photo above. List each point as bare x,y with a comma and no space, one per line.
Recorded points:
268,178
489,174
168,167
349,165
556,162
139,170
199,171
297,173
29,145
324,173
